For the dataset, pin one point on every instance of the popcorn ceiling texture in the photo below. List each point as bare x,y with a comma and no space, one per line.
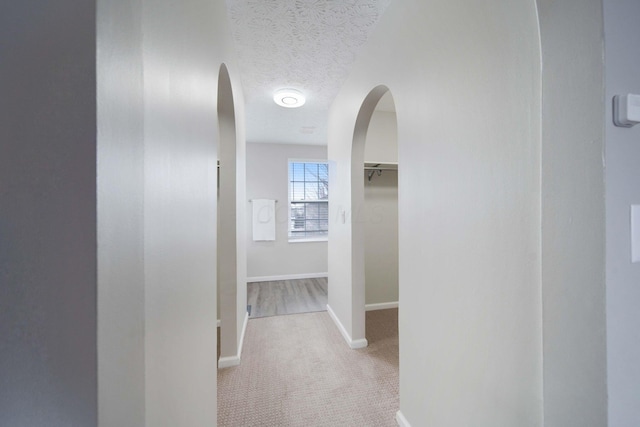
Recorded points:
305,44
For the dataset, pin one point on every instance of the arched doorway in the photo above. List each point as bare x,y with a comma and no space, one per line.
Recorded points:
364,214
227,271
380,209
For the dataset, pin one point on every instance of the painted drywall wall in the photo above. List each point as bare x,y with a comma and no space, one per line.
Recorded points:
184,46
496,285
172,176
382,137
120,198
381,238
267,178
226,241
380,211
240,305
48,214
55,83
469,193
622,37
572,214
231,285
241,200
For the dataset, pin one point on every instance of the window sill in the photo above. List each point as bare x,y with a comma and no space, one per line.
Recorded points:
308,239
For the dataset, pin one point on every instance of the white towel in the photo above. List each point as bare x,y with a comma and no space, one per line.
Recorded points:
264,219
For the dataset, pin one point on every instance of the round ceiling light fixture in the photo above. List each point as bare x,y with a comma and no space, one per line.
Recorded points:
289,98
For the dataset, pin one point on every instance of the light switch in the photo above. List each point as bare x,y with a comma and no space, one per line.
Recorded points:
626,110
635,233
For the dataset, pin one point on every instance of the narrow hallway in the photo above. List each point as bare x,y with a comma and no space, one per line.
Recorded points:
297,370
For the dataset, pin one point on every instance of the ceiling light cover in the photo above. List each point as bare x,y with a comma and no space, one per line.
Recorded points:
289,98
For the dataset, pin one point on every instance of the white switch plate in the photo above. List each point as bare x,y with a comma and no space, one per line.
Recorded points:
626,110
635,233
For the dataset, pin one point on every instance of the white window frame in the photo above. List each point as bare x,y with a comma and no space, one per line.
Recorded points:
291,238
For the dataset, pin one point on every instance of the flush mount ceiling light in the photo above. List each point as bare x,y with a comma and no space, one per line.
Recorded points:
289,98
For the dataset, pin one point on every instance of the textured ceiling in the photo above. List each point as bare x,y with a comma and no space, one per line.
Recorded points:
308,45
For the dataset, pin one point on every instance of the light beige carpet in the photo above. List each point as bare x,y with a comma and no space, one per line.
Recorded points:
297,370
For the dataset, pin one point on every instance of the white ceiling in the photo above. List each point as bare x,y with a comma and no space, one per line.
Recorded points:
308,45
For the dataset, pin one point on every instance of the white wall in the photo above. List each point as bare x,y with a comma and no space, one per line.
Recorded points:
158,140
470,326
241,197
502,254
183,49
151,315
380,211
232,290
381,238
622,37
572,209
382,137
120,188
226,229
48,267
267,178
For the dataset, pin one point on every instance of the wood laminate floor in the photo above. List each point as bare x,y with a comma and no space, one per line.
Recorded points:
287,297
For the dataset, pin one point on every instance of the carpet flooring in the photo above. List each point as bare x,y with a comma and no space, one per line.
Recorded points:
297,370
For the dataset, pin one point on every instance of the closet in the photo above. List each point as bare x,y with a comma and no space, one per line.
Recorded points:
380,211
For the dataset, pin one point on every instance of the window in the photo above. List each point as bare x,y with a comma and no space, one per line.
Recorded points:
308,200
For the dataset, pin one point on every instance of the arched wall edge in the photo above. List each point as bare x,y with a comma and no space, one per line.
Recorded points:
357,214
233,317
572,210
226,210
430,79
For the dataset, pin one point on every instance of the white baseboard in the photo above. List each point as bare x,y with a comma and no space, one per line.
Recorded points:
227,362
244,329
381,306
401,420
354,344
286,277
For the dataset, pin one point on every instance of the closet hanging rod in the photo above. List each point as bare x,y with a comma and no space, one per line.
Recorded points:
373,168
276,200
